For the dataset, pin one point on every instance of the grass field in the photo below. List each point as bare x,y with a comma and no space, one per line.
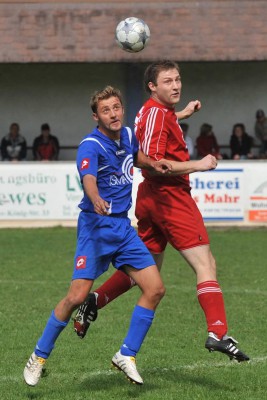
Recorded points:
36,267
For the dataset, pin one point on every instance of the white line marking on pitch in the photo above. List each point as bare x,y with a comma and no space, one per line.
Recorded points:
256,360
180,287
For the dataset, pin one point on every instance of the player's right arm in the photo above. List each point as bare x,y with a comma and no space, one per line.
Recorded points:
101,206
87,165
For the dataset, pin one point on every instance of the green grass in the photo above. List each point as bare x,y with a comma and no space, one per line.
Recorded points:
36,267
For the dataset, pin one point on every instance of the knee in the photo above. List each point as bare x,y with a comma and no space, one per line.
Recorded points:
74,300
158,293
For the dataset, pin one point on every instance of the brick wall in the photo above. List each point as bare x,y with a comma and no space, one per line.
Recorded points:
84,31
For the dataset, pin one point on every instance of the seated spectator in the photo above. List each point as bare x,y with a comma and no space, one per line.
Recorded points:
188,139
207,143
240,143
13,145
45,146
261,132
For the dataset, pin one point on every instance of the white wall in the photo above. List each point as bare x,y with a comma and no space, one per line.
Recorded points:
32,94
229,92
59,94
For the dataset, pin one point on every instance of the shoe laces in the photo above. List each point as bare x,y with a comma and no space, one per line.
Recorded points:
226,337
37,365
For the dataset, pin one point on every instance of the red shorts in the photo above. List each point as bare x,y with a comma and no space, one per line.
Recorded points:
168,215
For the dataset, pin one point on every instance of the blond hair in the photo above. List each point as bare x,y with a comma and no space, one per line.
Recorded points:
104,94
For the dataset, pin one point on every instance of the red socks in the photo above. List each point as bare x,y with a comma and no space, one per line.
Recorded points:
116,285
210,298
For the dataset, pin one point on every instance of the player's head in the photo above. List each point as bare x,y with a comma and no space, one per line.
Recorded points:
107,108
104,94
163,82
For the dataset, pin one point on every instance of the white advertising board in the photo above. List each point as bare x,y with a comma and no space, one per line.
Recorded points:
235,191
39,191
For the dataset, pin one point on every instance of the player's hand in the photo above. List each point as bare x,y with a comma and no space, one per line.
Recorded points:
101,206
162,166
192,107
207,163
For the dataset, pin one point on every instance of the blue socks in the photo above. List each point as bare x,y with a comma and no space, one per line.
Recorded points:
50,334
141,321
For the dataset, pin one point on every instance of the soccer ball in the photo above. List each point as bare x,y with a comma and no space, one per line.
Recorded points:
132,34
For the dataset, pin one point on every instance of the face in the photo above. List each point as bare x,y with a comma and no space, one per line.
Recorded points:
14,131
45,133
238,131
261,118
109,117
167,91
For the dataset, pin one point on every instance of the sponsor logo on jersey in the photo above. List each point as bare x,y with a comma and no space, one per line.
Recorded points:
81,262
126,176
85,163
120,152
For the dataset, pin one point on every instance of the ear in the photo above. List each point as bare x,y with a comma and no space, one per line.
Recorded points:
151,86
95,117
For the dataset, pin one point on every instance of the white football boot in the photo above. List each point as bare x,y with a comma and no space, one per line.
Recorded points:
33,369
127,364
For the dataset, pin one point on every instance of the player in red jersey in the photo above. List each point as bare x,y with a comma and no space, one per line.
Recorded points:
165,210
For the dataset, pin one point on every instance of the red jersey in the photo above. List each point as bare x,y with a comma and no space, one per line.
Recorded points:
160,136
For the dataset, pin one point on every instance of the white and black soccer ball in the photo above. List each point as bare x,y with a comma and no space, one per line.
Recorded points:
132,34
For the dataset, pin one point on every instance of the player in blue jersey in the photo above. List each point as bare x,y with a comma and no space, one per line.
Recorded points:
105,163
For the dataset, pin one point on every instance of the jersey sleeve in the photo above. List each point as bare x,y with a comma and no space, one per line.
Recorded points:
87,159
135,145
154,134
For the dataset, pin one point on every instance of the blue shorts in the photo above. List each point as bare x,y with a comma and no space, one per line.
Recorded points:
102,240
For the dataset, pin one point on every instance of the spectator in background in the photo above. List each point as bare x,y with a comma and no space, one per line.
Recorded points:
45,146
261,132
240,143
207,143
188,139
13,145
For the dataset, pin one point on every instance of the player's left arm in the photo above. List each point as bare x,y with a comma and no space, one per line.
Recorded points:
191,108
142,161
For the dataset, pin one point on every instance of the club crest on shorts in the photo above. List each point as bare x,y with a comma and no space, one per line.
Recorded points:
81,262
85,163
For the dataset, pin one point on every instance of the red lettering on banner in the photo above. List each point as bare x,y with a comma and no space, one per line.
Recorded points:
212,198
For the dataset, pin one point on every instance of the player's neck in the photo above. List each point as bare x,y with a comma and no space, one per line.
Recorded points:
113,135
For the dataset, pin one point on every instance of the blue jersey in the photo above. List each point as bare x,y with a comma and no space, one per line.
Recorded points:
112,165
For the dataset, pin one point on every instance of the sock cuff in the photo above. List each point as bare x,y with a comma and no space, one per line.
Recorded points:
144,312
208,287
57,322
208,284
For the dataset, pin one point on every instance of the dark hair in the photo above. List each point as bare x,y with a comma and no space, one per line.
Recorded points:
260,114
14,124
205,129
153,70
104,94
239,125
45,127
184,126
